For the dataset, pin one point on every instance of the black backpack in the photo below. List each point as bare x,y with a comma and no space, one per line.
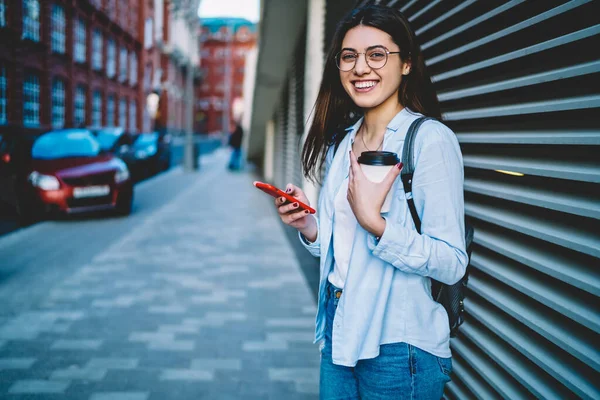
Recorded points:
449,296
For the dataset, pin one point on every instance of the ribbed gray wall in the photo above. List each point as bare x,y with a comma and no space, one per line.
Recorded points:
519,83
290,121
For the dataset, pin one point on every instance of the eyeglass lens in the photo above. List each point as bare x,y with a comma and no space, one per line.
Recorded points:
376,58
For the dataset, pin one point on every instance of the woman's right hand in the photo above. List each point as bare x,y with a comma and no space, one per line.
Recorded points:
291,214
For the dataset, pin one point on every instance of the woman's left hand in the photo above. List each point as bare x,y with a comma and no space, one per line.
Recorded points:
366,198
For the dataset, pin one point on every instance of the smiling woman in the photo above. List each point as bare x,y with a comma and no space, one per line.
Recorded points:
383,334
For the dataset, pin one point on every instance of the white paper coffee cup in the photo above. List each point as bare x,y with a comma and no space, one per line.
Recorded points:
376,165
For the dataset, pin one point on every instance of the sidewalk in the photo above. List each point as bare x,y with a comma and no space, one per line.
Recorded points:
204,299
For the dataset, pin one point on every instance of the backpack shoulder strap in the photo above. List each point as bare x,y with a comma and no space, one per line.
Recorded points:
408,169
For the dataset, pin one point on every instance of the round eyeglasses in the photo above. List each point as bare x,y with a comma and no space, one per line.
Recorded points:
375,56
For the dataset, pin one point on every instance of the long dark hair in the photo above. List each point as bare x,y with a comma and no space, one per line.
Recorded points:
334,110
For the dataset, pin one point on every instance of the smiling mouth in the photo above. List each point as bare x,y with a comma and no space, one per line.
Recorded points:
364,86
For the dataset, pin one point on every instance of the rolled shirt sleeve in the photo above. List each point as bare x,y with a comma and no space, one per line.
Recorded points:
439,251
314,248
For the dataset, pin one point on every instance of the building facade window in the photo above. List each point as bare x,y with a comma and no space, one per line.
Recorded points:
31,100
58,37
148,76
97,42
132,115
133,72
122,64
2,95
122,113
2,13
97,108
110,110
148,31
111,61
31,20
58,103
79,106
79,40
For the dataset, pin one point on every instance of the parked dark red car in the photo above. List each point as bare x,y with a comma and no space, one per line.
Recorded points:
69,173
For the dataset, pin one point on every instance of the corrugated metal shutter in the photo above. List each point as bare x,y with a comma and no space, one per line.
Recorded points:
519,82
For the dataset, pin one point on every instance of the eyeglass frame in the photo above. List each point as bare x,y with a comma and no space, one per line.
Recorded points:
385,50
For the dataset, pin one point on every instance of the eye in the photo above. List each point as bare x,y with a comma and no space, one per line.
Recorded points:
377,55
348,57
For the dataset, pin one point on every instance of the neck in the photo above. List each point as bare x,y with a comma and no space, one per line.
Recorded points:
377,119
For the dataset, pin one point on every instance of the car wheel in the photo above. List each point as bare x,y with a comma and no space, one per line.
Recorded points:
29,214
124,204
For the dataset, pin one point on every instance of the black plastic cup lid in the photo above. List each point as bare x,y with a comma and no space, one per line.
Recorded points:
378,158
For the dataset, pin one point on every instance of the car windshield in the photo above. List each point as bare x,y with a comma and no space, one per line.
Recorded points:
107,137
64,144
145,139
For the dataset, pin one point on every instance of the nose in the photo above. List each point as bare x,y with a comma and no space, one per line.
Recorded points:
361,67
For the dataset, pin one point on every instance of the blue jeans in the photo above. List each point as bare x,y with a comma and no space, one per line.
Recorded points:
401,371
235,161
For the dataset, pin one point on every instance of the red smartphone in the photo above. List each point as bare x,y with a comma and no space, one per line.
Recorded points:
273,191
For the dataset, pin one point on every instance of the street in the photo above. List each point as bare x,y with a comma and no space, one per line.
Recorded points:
196,295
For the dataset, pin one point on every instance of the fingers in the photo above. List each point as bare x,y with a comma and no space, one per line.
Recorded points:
293,217
285,209
391,176
355,170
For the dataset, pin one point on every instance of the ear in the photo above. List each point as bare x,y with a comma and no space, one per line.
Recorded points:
406,67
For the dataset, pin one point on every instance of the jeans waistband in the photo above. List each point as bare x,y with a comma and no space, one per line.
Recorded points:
334,290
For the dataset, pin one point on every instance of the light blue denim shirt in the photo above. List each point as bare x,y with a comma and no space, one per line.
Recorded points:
387,293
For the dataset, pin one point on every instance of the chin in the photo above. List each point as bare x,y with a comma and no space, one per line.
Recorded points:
367,103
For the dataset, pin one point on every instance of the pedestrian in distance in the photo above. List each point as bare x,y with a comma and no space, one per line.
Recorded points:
383,336
235,141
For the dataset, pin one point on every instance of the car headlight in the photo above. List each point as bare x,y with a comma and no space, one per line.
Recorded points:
122,174
44,182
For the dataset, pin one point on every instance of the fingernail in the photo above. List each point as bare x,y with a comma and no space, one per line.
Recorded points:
282,199
306,211
288,190
399,165
295,204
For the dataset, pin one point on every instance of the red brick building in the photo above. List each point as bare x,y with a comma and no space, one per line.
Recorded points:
224,43
66,63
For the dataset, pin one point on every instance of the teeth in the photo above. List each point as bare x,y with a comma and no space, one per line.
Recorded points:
363,85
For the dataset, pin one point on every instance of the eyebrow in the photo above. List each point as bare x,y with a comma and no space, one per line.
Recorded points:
367,49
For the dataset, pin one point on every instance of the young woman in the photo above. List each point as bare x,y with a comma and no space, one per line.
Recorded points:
384,336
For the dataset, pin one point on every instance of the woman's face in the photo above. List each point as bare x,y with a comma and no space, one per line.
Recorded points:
369,87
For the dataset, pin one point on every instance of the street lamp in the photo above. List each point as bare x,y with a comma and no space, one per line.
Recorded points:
152,106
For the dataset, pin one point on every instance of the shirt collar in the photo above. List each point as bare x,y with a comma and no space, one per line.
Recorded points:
392,126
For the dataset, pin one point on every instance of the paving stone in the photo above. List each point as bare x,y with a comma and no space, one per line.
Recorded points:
120,396
32,386
66,344
183,329
16,363
113,363
291,322
186,375
175,345
76,373
216,363
174,309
